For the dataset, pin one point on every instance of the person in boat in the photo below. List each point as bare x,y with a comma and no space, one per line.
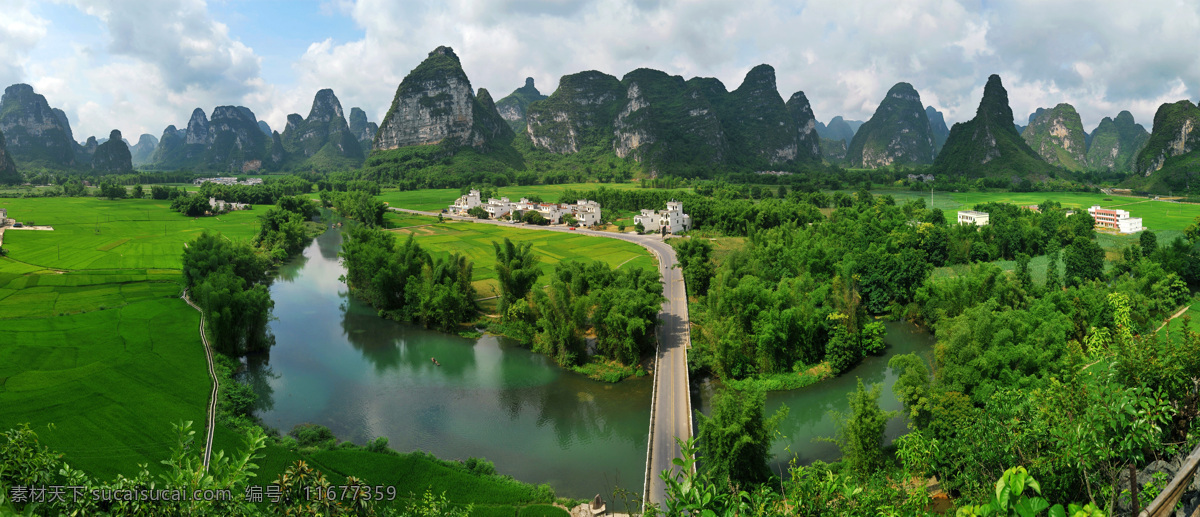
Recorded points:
435,361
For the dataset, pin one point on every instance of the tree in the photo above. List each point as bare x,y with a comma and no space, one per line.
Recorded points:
1023,276
695,257
860,433
1083,260
912,387
736,439
138,193
1149,242
477,212
516,271
1052,281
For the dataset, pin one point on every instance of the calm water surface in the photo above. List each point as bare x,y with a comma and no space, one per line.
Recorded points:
809,409
336,363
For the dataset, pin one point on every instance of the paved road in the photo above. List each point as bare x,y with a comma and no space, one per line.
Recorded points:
671,408
210,425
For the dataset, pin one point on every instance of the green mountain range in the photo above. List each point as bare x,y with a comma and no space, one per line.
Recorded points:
231,142
512,108
579,114
362,129
1115,143
666,122
1170,160
897,134
1057,135
989,145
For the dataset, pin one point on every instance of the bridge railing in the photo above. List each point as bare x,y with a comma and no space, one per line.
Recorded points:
1164,504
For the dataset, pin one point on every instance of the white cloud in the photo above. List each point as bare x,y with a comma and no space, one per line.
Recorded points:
1102,56
20,32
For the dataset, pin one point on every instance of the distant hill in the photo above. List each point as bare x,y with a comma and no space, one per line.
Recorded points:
989,145
230,142
112,156
1057,135
37,135
512,108
1115,143
897,134
362,129
323,140
579,114
143,149
839,129
937,124
665,122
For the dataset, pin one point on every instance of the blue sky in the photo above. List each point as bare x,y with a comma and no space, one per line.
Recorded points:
138,65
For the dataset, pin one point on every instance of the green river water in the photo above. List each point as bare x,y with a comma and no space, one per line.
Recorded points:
336,363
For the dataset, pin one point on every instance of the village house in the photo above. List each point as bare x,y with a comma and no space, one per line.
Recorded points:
1118,220
218,205
466,202
673,219
228,181
586,213
973,217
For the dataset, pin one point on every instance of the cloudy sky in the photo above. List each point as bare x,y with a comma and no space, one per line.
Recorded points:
139,65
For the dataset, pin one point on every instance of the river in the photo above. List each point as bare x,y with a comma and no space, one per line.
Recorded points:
810,409
336,363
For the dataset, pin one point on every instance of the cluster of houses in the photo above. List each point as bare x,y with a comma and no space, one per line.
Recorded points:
1118,220
586,213
228,181
219,205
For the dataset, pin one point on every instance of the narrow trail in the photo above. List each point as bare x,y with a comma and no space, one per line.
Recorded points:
1173,316
212,398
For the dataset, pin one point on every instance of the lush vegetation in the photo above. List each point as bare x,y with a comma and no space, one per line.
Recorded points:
989,145
407,283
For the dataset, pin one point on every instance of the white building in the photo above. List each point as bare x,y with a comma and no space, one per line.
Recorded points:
587,213
972,217
466,202
220,205
228,181
673,219
1118,220
497,208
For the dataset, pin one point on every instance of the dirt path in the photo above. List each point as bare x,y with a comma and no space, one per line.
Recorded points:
1173,316
212,398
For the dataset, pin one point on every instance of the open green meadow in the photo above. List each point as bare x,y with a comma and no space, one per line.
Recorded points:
100,355
474,240
91,233
1157,216
437,199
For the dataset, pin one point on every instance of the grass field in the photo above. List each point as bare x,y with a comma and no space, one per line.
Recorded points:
91,233
437,199
1157,216
474,240
1176,325
99,354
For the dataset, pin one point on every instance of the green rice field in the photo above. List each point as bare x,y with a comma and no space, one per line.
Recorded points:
100,355
474,240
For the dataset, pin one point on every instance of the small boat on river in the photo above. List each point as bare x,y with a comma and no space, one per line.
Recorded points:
435,361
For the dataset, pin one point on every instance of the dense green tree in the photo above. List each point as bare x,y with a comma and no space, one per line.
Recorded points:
912,388
1083,260
695,258
1052,269
1023,275
860,432
1149,242
227,281
735,438
516,271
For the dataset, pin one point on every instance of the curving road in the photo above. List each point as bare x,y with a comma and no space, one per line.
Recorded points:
671,405
210,425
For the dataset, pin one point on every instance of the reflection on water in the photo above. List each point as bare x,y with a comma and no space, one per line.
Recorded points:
336,363
810,409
